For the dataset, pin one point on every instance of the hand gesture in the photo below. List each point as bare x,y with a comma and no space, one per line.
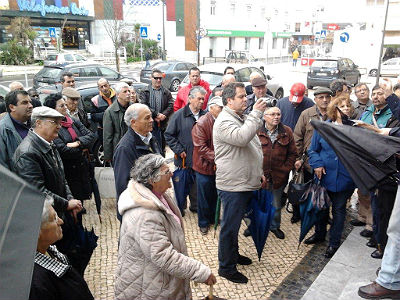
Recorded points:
260,105
211,280
319,172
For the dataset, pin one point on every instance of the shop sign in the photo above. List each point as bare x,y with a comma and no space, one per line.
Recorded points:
237,33
33,6
282,34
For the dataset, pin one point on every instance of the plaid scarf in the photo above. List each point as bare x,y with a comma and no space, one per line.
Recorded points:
57,263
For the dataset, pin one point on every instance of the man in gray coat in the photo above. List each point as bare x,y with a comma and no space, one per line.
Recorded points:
15,125
114,126
238,157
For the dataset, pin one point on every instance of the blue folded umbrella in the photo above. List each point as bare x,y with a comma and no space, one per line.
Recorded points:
261,213
182,179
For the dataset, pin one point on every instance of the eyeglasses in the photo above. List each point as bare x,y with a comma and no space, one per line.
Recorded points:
274,114
167,172
58,124
157,78
362,90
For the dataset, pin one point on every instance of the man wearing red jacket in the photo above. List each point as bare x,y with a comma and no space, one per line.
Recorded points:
183,93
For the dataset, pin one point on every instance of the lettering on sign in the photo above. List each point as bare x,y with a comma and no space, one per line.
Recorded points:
33,6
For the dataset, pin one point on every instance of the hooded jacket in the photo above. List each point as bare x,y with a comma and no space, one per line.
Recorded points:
152,258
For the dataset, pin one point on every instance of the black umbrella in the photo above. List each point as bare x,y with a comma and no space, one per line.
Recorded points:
369,157
21,208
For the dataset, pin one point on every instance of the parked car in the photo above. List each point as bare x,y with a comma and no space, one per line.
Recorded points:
3,91
174,72
324,70
390,68
213,73
62,58
82,72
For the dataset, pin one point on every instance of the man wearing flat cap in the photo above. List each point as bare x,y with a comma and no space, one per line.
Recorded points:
259,86
72,99
303,133
37,161
204,165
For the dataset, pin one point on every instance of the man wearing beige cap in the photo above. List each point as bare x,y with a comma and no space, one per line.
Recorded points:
72,98
37,161
259,86
204,165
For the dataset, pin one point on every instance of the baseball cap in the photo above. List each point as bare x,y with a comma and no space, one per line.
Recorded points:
297,92
217,100
44,111
71,92
258,81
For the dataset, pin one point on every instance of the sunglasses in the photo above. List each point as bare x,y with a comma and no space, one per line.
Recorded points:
157,78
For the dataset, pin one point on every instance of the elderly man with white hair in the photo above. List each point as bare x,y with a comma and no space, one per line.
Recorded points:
114,126
136,142
227,79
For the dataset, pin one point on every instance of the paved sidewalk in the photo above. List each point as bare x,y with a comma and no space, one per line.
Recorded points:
280,257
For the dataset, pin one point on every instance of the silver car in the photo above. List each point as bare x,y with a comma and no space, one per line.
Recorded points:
213,73
174,72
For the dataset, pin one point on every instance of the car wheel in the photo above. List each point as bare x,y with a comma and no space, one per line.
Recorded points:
373,72
279,94
98,153
175,85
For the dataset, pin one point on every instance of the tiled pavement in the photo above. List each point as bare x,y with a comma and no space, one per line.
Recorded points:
280,257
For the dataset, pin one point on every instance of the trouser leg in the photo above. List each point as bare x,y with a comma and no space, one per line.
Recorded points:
206,199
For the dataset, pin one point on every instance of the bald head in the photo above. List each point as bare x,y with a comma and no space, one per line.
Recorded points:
227,79
254,75
16,86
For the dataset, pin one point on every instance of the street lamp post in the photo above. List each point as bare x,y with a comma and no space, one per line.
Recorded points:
378,73
163,30
267,37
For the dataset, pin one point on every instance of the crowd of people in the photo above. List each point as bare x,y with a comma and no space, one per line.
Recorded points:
232,141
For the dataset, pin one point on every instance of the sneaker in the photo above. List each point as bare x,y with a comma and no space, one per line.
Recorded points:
244,261
204,230
236,277
278,233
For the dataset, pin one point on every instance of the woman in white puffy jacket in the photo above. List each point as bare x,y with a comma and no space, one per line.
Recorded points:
152,259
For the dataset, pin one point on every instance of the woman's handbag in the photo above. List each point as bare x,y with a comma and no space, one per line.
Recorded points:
297,187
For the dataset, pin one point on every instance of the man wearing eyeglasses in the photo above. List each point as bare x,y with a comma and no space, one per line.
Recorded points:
363,101
161,104
37,160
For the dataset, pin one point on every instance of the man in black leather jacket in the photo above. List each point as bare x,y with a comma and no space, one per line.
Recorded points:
37,160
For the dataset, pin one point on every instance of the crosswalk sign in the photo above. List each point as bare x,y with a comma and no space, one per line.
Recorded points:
143,32
52,32
323,34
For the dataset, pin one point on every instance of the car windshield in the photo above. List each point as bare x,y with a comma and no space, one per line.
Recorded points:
211,78
325,64
161,66
46,72
51,57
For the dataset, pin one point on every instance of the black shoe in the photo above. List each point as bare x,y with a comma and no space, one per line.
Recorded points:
204,230
314,240
278,233
247,232
330,251
244,261
377,254
193,210
294,219
236,277
366,233
371,243
356,222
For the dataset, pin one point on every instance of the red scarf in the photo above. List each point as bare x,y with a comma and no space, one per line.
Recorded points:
68,124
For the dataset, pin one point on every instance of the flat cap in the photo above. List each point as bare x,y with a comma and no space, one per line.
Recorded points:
322,90
71,92
217,100
258,81
44,111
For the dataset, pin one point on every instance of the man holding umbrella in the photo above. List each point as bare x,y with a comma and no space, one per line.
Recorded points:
238,157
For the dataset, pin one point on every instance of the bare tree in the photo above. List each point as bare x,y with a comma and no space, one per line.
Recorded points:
115,29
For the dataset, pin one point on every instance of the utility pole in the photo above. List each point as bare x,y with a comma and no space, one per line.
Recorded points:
267,37
378,74
163,30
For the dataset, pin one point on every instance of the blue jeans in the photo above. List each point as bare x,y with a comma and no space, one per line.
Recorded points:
339,200
206,199
276,221
234,206
389,275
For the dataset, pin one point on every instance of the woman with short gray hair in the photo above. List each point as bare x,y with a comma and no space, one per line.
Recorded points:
53,276
152,258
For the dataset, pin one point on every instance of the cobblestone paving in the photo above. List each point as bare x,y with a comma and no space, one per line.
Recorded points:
280,257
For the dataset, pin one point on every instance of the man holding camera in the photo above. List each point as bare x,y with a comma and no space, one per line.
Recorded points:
238,157
260,90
